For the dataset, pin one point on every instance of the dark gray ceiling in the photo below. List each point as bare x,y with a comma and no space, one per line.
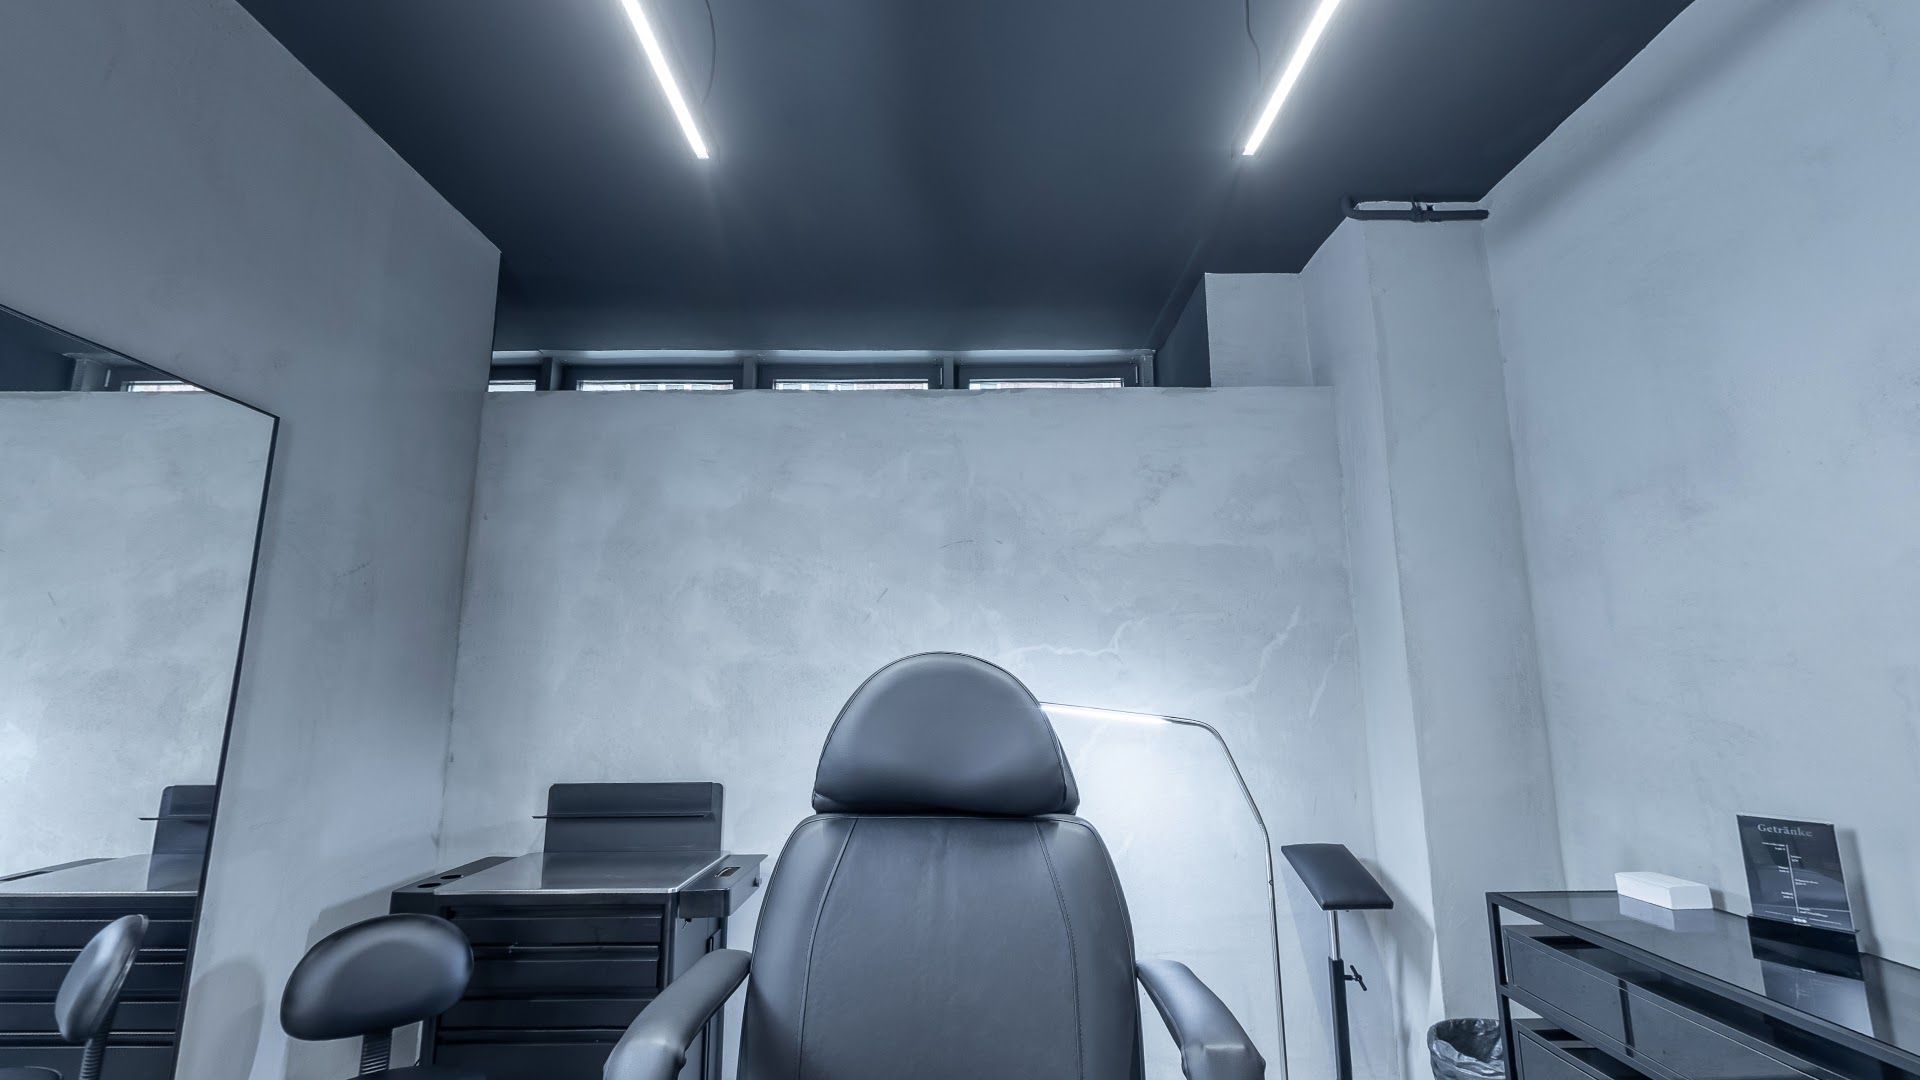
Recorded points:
933,173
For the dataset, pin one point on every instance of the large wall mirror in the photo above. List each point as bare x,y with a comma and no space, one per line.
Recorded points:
130,506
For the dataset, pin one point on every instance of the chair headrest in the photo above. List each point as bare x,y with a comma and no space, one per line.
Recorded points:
943,733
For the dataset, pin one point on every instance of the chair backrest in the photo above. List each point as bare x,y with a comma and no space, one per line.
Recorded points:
377,975
942,917
83,1009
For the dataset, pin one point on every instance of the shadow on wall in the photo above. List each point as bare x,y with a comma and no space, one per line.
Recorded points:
338,1057
238,1030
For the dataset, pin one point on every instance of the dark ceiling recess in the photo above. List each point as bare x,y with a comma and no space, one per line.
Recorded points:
889,174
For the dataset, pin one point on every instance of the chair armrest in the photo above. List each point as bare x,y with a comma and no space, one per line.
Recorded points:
1213,1045
655,1045
1335,878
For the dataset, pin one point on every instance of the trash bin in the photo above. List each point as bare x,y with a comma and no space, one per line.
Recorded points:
1467,1050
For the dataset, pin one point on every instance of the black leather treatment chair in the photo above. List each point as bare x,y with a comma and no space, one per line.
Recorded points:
89,993
374,976
942,916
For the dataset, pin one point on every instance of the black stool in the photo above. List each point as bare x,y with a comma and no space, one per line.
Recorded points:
88,995
374,976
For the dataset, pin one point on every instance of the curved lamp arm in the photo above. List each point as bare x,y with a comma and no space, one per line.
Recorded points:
1266,838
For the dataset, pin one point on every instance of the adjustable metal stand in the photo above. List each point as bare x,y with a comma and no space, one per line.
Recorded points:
1338,883
1339,974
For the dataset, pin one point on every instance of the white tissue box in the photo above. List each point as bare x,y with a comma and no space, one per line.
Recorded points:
1663,890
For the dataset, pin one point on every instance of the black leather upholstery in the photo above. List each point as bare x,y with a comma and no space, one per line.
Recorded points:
656,1044
1213,1045
1335,878
942,948
91,988
430,1072
377,975
942,919
941,733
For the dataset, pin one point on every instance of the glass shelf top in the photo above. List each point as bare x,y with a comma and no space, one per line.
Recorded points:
589,871
1879,998
154,875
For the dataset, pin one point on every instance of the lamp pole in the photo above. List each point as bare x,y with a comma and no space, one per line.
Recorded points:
1266,838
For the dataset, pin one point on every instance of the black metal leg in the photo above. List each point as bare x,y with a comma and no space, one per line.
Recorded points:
1504,1006
90,1058
715,1049
1342,1038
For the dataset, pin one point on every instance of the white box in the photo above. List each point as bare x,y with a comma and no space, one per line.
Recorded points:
1663,890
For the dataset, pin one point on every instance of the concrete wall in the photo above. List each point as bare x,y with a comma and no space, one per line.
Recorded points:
178,188
1239,330
1401,323
127,538
1257,330
689,586
1344,346
1181,360
1707,307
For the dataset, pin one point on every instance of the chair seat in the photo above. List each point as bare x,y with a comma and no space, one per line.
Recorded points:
27,1072
418,1072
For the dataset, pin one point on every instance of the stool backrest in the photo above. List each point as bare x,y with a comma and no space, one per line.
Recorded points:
83,1009
374,976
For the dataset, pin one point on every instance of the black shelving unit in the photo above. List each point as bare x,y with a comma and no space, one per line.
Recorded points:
572,942
1616,989
48,915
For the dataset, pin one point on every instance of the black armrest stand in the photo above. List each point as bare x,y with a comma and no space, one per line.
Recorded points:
1338,883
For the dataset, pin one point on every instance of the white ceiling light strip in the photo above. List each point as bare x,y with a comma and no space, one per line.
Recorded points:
650,44
1296,63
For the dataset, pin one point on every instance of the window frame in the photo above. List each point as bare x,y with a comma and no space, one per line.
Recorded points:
1127,371
748,370
767,373
573,374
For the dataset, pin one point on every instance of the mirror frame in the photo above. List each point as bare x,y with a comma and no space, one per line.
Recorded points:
239,657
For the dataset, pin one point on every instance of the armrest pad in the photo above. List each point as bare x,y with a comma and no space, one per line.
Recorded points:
1335,878
655,1045
1213,1045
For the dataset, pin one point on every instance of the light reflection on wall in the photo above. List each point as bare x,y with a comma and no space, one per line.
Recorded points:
1191,859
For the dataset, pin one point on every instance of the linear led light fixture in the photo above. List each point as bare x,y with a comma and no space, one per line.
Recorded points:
1296,63
1246,792
698,355
650,44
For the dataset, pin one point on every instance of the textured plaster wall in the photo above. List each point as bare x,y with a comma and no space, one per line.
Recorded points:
689,586
179,188
1344,345
126,534
1708,309
1257,330
1471,660
1401,323
1181,360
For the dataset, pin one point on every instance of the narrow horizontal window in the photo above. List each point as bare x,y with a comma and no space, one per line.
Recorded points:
1045,384
160,386
850,384
653,384
512,386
